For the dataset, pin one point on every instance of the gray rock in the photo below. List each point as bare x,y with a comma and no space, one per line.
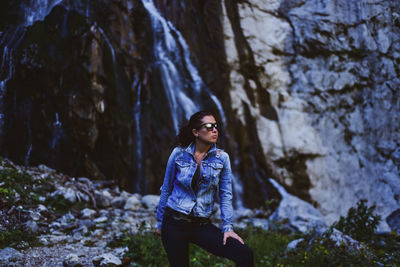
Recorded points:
107,260
150,201
66,192
101,219
293,244
259,222
118,202
243,213
300,214
35,215
72,260
9,254
132,203
87,223
393,220
87,213
103,198
32,227
339,238
66,218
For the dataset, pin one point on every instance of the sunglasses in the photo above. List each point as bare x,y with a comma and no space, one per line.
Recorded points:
209,126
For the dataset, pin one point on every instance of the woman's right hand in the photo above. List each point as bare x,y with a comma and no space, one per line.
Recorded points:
158,232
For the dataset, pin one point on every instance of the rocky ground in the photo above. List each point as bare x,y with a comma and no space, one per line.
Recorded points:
68,221
72,219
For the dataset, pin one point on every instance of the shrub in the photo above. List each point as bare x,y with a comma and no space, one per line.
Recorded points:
360,222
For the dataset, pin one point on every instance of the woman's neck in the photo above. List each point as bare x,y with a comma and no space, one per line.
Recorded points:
202,147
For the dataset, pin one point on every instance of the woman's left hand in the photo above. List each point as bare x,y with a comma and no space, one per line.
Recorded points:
233,235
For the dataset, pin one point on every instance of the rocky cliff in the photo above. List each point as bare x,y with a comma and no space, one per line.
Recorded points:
331,71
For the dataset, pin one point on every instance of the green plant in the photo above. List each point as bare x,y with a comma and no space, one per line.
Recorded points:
11,238
360,222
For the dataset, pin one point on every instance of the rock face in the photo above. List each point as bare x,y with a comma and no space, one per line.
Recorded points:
331,70
305,91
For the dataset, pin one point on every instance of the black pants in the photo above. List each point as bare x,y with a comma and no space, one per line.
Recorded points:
176,235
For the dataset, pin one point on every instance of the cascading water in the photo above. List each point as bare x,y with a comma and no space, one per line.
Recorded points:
9,42
38,10
169,60
137,113
167,52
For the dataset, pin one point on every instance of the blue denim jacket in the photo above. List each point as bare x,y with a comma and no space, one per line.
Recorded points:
215,176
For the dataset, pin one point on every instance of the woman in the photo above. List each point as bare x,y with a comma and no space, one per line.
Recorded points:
195,171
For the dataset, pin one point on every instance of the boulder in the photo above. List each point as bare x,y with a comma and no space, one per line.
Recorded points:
132,203
87,213
393,220
72,260
298,213
9,255
150,201
107,260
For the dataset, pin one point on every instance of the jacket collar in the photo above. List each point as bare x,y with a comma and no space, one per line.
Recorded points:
190,149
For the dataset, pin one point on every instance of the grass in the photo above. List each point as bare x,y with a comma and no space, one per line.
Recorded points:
269,247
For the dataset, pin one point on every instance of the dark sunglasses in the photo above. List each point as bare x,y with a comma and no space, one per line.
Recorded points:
209,126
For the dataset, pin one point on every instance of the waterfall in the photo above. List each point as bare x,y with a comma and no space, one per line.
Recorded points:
57,130
137,113
167,52
9,42
37,10
169,61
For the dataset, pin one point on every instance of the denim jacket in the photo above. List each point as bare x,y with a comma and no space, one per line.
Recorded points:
215,176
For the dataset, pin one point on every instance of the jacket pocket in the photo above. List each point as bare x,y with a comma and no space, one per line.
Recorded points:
215,172
183,167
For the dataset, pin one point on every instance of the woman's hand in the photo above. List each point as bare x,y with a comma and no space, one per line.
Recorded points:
158,232
233,235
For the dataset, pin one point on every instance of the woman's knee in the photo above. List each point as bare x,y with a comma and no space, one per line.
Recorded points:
246,258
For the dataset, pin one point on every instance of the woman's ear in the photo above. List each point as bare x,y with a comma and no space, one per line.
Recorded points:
195,133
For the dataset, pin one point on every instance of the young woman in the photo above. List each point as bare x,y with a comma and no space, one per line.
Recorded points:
195,171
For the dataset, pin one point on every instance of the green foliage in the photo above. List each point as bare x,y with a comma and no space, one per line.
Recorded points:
58,203
360,223
269,247
15,183
145,248
12,238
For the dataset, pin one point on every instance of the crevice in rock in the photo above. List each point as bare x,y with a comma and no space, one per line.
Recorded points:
248,67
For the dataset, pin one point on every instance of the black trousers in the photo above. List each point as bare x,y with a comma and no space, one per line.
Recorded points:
176,235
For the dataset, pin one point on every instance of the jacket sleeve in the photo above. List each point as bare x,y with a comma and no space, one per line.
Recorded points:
167,186
225,196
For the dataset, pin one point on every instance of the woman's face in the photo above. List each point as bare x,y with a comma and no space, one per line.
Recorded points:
209,135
